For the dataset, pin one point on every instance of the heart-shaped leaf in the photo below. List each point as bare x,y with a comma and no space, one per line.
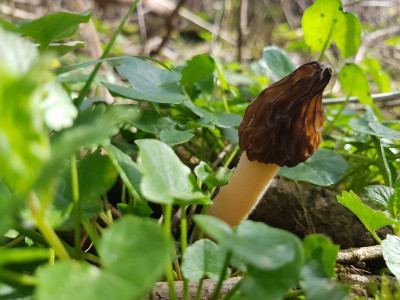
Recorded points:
323,168
325,21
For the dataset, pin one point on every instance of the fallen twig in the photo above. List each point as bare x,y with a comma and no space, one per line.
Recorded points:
354,255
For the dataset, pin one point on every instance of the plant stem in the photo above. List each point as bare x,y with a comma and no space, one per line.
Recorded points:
386,173
293,294
107,208
104,217
91,231
13,277
221,279
233,290
199,288
76,201
325,44
13,242
223,96
169,273
183,248
231,156
84,91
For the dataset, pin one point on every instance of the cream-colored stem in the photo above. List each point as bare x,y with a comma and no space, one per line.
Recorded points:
248,183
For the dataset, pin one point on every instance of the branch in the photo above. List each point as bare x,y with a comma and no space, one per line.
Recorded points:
354,255
382,97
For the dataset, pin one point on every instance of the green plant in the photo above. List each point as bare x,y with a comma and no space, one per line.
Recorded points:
63,160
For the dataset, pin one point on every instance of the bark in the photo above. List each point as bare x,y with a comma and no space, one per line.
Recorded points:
304,209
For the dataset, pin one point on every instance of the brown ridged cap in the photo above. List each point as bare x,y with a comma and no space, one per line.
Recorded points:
282,125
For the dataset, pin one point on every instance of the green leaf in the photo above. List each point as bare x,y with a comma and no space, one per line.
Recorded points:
319,267
273,261
166,179
391,254
53,27
63,48
371,219
175,137
216,228
8,26
211,179
91,187
199,68
321,249
149,83
325,21
278,62
9,206
317,286
211,120
122,248
380,130
379,195
23,255
203,258
323,168
373,67
354,83
126,168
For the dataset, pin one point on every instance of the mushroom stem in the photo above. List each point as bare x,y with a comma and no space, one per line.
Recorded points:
247,185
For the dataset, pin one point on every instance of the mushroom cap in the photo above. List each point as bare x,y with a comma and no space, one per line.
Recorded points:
282,125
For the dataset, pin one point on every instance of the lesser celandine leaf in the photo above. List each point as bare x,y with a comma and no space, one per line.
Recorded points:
53,27
126,272
165,178
203,258
371,219
149,83
325,21
278,62
323,168
197,69
391,254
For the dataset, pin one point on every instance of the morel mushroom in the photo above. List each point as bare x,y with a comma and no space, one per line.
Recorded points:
281,127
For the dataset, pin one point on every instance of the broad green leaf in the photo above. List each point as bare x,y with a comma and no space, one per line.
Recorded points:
271,248
53,27
278,62
391,254
325,21
175,137
371,219
317,286
274,260
379,195
63,48
321,249
216,228
373,67
126,167
165,178
211,178
149,83
319,267
141,246
141,209
96,175
197,69
211,120
323,168
354,83
203,258
126,273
